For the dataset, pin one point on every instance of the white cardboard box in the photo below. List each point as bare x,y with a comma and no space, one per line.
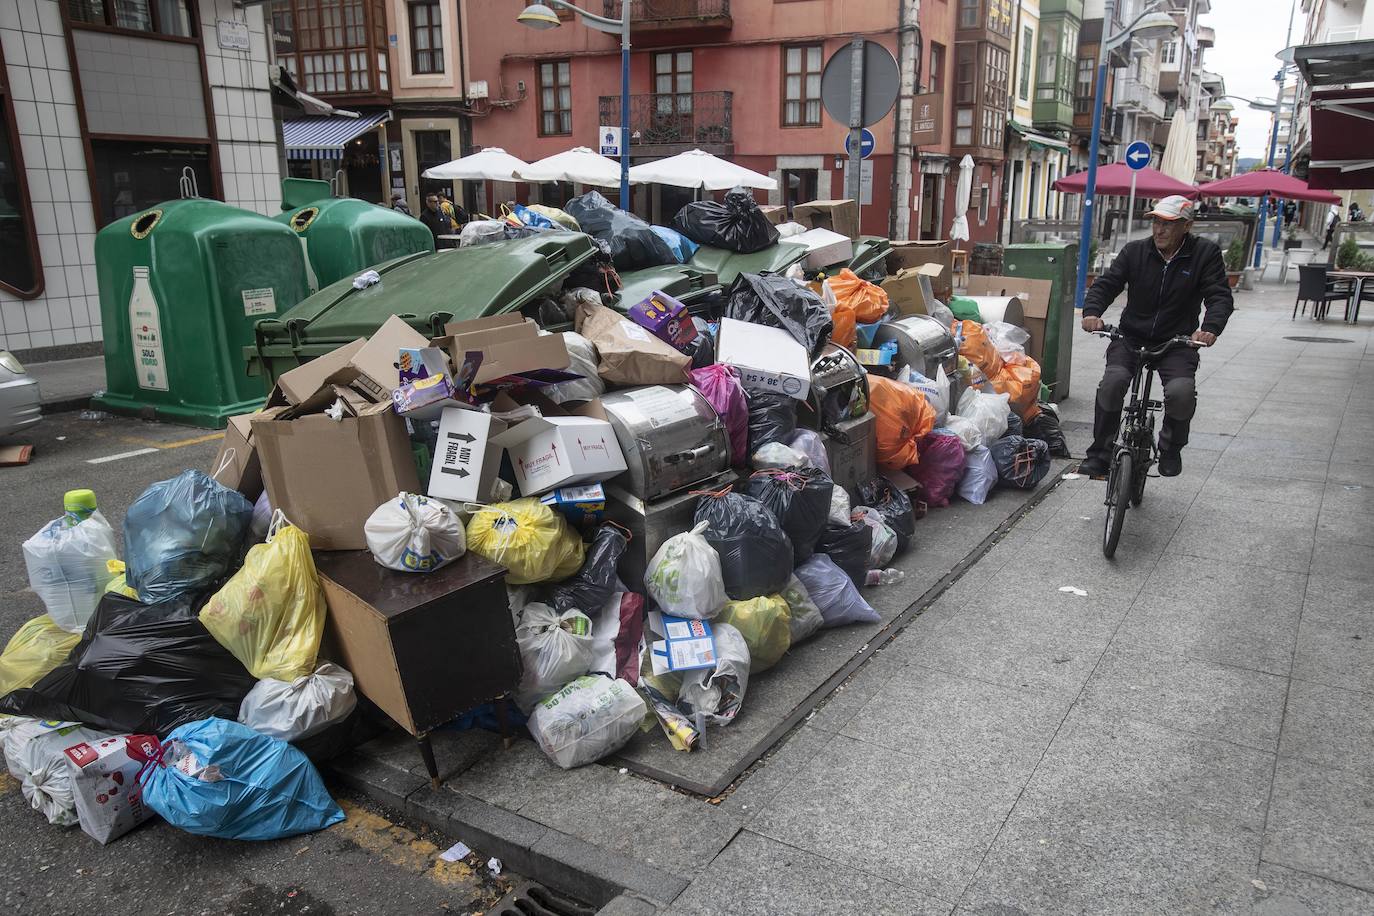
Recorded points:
769,360
467,459
552,452
823,247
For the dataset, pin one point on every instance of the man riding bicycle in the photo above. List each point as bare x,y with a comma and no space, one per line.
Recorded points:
1167,276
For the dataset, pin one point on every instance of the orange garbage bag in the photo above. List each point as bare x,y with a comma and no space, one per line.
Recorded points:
868,300
1021,381
845,331
977,349
903,416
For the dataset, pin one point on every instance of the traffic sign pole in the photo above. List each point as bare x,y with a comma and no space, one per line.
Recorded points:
1137,157
1130,209
856,121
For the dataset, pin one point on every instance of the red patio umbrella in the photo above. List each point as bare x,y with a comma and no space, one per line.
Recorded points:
1266,181
1116,179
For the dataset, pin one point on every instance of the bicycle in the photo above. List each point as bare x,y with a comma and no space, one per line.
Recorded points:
1135,451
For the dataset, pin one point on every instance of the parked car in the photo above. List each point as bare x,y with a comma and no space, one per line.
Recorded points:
20,407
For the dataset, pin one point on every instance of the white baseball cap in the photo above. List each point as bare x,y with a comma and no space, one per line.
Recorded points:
1176,206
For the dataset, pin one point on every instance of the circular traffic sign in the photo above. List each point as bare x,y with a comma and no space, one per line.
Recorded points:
866,143
879,83
1138,155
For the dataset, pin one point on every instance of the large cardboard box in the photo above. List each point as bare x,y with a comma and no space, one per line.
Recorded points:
466,460
1035,303
823,247
554,451
909,254
367,365
237,465
777,215
511,347
769,360
840,216
329,475
912,290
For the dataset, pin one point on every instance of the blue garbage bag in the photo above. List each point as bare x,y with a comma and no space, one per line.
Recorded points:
265,789
683,247
531,218
182,535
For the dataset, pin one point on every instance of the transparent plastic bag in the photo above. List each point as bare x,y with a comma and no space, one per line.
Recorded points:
766,625
67,567
980,475
1007,337
292,710
414,533
989,411
776,456
805,617
834,593
810,444
884,538
482,232
684,576
530,539
839,507
582,359
969,432
586,720
35,649
554,649
34,755
718,693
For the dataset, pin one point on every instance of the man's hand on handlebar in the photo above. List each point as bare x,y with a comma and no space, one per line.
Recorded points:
1201,338
1092,323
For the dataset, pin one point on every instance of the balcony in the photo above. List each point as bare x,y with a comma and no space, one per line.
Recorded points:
1134,94
657,23
664,125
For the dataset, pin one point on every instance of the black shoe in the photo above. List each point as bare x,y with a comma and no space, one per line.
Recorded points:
1093,466
1170,463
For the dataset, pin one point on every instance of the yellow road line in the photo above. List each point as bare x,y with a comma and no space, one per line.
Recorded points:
401,847
179,443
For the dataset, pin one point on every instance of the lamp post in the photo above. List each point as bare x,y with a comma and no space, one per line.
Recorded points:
541,16
1150,24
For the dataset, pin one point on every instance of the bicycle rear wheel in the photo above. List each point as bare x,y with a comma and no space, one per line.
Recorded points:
1120,482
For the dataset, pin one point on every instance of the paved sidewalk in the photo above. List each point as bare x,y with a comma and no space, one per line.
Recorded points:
67,384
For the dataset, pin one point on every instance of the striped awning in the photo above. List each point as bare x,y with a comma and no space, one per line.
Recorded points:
324,138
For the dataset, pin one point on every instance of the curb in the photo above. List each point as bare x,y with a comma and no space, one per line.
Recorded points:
65,405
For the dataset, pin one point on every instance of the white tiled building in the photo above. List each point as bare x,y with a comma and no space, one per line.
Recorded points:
158,85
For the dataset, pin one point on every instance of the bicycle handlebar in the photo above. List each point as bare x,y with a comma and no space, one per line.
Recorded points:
1112,333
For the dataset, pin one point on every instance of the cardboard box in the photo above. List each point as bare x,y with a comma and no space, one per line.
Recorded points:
823,247
237,465
329,475
840,216
555,451
415,364
666,318
907,254
511,347
1035,303
912,290
466,461
583,506
777,215
367,365
769,360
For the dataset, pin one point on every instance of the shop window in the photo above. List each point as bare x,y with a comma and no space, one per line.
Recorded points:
166,17
20,270
801,85
936,80
132,176
426,37
555,98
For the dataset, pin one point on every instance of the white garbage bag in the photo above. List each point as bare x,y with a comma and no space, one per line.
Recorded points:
839,507
988,410
777,455
414,534
1007,338
262,518
586,720
291,710
582,358
66,565
936,390
684,576
718,693
104,776
482,232
34,755
980,475
884,546
969,432
554,649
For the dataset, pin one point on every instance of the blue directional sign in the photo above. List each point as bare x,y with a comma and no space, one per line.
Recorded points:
866,144
1138,155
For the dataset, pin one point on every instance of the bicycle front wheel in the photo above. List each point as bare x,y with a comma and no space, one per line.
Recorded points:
1120,482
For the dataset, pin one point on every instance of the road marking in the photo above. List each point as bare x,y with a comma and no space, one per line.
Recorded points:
194,440
403,848
121,455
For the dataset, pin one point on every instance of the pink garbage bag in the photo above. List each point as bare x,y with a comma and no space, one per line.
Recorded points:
940,468
720,386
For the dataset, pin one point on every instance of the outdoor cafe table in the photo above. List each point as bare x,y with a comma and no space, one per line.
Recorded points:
1359,277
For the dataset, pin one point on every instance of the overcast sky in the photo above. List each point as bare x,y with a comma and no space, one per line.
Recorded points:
1249,34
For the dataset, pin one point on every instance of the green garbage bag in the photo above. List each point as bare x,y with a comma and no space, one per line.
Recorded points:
965,309
765,623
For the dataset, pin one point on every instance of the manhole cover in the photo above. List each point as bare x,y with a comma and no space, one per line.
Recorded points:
1320,339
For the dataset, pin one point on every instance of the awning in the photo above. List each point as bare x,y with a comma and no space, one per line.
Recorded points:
325,138
1342,117
1040,141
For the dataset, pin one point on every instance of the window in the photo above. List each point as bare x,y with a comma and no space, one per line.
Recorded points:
331,49
999,17
963,127
426,37
965,73
1049,59
166,17
996,62
1027,52
673,83
555,98
432,147
20,270
983,196
801,85
936,79
1168,52
968,14
133,176
994,124
1202,130
1086,66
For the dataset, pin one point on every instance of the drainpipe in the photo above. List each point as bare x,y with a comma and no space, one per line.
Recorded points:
903,153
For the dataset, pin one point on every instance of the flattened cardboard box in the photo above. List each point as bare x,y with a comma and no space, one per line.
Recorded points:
509,344
366,364
840,216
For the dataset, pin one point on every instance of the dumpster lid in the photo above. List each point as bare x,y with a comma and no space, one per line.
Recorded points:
869,250
684,282
430,290
727,265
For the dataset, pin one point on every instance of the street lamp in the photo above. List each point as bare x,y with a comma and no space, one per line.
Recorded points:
541,16
1150,25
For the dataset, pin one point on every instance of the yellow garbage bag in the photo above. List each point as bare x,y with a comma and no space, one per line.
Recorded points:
531,540
38,647
270,614
765,623
118,584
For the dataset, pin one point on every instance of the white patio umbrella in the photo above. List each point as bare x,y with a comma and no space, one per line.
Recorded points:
491,164
699,169
579,165
958,230
1180,151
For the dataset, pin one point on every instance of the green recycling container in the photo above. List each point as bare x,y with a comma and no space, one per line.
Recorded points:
1057,263
181,287
727,265
684,282
344,236
427,290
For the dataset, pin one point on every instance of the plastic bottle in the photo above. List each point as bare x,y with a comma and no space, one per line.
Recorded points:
77,506
884,576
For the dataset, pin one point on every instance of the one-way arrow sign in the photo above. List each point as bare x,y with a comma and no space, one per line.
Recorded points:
1138,155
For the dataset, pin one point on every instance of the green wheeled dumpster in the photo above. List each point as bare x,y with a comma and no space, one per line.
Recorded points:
344,236
727,265
1057,263
181,287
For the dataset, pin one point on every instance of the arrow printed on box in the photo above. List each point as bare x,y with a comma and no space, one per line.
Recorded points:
463,437
456,472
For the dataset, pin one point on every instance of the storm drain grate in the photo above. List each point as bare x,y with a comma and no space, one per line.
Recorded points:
530,899
1320,339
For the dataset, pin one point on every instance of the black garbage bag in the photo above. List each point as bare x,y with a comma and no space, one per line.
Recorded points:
1046,428
772,418
140,668
592,587
848,547
1021,463
800,499
735,225
634,244
1015,425
755,553
776,301
896,509
703,349
596,273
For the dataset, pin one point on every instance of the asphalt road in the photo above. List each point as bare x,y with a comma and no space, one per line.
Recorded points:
370,863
